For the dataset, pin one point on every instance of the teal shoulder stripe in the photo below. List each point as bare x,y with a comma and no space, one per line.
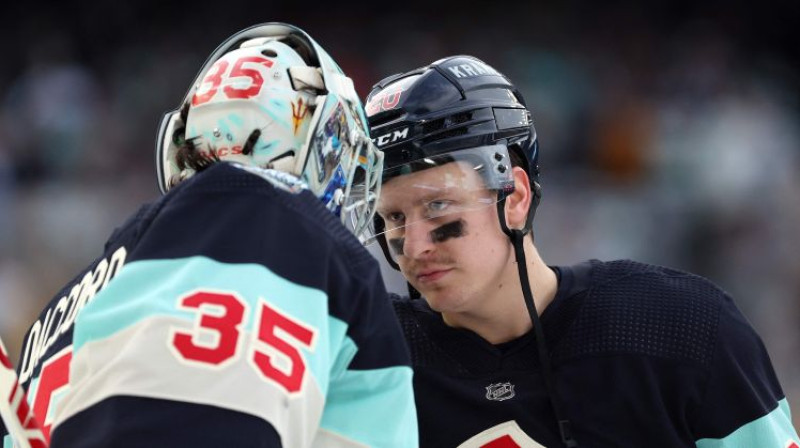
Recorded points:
772,430
375,397
146,289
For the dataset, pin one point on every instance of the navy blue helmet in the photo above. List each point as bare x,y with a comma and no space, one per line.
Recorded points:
459,102
454,104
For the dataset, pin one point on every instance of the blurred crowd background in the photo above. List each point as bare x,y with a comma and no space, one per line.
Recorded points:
669,129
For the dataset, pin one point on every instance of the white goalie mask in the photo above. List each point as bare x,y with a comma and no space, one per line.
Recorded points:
271,97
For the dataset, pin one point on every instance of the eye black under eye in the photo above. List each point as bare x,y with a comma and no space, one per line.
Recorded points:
397,245
454,229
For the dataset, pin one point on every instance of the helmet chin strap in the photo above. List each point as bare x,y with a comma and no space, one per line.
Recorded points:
517,238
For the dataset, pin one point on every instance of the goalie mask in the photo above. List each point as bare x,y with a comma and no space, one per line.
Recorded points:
271,97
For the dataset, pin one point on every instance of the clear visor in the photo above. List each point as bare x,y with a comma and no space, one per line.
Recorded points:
429,200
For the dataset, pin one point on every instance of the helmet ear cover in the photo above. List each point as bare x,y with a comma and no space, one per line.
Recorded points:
515,152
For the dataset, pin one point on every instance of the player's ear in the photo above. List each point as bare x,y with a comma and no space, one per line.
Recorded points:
518,202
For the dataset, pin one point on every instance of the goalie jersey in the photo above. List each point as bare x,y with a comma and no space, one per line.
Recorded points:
642,356
236,311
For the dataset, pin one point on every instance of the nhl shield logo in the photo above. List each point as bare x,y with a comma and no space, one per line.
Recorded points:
499,391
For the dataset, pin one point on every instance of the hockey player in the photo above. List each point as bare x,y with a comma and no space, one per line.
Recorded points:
237,311
510,352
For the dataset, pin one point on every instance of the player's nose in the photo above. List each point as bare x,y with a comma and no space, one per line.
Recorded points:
418,242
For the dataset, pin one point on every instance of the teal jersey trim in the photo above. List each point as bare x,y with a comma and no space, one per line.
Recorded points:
773,430
147,289
361,403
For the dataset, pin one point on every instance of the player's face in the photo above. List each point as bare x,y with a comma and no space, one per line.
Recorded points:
442,230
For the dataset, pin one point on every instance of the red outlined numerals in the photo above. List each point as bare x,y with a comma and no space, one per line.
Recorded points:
53,379
501,442
505,435
383,101
256,80
214,340
210,84
215,337
272,325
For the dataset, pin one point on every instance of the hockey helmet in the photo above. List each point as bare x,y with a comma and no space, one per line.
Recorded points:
456,105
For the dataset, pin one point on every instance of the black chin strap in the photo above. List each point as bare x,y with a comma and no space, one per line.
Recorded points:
517,237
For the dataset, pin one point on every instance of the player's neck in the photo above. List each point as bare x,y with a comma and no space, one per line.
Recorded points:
504,317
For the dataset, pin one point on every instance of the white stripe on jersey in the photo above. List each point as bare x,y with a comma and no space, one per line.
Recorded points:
113,366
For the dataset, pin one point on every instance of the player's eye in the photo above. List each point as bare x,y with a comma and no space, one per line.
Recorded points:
394,217
439,207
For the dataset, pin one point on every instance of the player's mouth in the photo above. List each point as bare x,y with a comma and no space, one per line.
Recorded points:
432,275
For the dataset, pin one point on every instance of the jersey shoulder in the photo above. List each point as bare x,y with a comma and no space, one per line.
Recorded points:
242,216
234,198
645,309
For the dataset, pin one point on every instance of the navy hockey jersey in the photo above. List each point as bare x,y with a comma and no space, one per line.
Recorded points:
642,356
236,311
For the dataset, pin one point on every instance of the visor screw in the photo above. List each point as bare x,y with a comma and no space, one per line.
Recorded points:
405,154
498,156
216,133
501,168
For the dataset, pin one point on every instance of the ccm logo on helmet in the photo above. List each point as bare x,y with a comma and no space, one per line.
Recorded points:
391,137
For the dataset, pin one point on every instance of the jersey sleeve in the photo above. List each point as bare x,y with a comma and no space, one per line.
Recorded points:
370,401
744,405
206,338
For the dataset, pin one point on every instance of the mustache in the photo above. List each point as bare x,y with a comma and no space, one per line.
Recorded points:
414,266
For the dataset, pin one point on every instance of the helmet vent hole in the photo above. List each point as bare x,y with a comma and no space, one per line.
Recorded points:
269,53
433,126
384,117
446,134
460,118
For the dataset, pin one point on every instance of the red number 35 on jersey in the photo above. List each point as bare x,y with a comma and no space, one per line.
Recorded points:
214,341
